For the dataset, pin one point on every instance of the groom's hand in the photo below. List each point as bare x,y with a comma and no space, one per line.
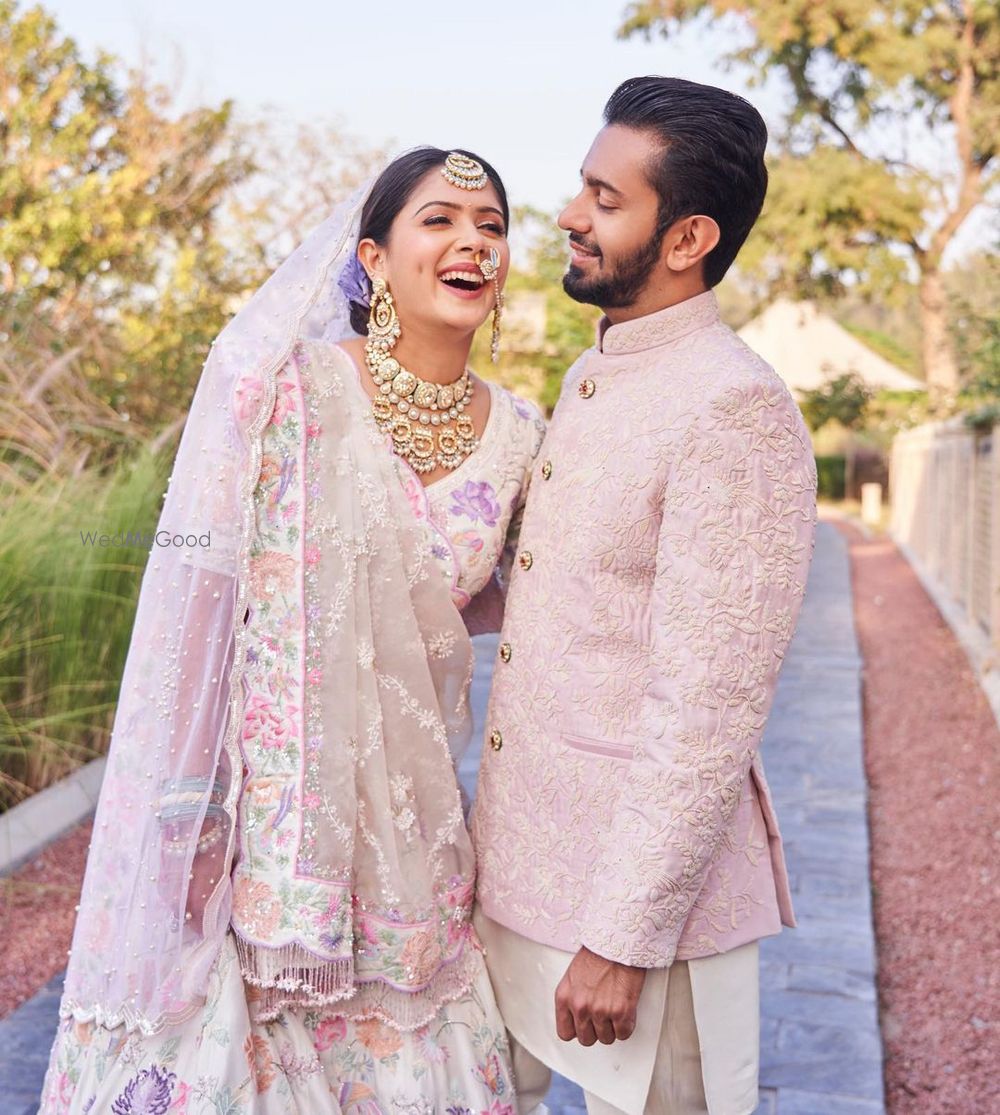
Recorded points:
596,999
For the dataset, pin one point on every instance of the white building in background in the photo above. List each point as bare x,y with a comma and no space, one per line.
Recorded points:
807,348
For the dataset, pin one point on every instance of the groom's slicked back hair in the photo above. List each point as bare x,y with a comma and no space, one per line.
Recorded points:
712,160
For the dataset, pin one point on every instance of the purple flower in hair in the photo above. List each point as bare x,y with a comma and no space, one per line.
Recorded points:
354,282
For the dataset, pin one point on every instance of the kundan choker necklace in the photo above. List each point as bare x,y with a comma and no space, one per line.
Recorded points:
426,421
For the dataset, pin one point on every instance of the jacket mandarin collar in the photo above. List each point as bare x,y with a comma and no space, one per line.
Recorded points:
660,328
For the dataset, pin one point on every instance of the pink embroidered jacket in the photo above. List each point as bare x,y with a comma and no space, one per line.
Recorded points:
668,532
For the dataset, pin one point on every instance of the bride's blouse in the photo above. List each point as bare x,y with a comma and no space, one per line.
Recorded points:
472,513
475,510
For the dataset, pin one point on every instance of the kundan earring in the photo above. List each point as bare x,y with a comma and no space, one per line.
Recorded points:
383,324
490,268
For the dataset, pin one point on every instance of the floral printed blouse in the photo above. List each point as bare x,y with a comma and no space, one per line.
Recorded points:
473,513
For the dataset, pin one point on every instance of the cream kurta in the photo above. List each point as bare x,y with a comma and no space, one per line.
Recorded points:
726,1022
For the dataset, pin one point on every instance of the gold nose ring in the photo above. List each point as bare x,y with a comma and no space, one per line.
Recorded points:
489,266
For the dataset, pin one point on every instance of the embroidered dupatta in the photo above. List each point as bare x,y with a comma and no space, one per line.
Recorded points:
294,698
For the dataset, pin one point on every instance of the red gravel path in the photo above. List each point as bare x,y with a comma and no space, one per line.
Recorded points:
932,754
37,914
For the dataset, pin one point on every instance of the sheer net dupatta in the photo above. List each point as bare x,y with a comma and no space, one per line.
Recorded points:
296,663
155,901
157,892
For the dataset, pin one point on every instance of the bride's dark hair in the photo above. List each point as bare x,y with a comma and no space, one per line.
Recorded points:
391,192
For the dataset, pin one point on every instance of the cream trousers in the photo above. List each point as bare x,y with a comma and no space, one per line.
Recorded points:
695,1048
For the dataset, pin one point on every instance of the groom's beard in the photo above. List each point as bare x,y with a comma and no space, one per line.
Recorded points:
618,288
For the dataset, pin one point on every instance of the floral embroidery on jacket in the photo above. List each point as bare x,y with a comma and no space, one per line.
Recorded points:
669,549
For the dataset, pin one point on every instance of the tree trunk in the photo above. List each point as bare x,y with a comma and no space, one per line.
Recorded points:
937,351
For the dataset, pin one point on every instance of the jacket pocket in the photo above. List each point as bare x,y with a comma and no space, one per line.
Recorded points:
609,748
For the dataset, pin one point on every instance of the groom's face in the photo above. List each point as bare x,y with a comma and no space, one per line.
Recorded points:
612,221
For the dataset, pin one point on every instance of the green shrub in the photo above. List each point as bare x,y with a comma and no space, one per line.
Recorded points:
66,614
831,476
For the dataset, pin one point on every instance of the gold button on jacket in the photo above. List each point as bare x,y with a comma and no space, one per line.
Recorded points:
496,740
587,388
505,651
525,560
546,470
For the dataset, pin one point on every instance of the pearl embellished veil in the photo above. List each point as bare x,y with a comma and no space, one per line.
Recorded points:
158,892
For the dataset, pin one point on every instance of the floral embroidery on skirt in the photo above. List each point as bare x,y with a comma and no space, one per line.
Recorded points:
309,1062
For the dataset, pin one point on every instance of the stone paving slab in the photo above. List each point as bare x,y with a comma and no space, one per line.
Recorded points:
821,1051
26,1037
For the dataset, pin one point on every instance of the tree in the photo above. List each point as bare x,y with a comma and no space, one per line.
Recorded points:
850,201
303,171
108,217
974,293
129,230
844,399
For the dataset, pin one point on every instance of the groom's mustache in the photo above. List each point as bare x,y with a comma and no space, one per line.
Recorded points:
584,244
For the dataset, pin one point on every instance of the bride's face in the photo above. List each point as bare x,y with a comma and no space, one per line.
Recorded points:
429,259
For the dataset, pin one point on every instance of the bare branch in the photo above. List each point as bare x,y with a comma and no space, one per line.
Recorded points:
807,94
970,192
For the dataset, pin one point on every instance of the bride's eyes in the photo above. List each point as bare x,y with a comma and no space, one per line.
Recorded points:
441,219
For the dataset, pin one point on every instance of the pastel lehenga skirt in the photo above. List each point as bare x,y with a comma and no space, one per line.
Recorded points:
309,1062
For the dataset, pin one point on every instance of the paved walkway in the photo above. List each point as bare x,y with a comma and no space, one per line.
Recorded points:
821,1053
821,1050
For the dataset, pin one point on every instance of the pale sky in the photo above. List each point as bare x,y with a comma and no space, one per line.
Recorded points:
522,82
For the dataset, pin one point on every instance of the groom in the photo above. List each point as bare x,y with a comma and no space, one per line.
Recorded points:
629,856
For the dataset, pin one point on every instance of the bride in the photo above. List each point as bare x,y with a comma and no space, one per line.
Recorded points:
275,915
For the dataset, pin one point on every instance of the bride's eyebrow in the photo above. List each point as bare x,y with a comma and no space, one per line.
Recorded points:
456,206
